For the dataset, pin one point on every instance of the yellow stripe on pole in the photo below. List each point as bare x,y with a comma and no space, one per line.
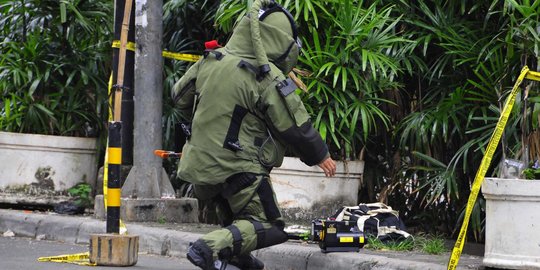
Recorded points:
484,165
115,155
172,55
114,197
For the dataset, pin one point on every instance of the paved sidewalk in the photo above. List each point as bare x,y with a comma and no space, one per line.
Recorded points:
173,239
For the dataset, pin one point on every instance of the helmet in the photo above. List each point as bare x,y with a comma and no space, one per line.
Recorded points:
270,19
267,34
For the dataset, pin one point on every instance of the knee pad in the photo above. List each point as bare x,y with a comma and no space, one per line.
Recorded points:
200,254
274,236
268,237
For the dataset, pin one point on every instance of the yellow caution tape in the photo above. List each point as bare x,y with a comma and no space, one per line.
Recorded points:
177,56
486,160
110,86
106,163
533,75
181,56
77,258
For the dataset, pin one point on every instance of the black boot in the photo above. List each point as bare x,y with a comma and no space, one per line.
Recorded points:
200,255
223,265
248,262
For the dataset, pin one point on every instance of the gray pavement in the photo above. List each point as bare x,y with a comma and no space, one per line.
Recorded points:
21,253
173,239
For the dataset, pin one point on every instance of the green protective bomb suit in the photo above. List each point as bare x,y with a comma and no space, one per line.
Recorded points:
241,112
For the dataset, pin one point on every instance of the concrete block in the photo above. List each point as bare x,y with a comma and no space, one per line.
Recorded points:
99,207
182,210
147,182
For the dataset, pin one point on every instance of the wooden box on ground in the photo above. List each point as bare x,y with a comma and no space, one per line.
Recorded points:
114,249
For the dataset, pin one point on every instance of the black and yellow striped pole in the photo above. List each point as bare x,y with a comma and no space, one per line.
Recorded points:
114,248
114,174
114,183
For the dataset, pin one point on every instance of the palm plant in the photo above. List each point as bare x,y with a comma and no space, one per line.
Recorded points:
54,65
454,117
352,66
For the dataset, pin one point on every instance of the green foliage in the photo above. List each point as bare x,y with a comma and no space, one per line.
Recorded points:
430,244
433,244
305,235
82,194
54,59
405,245
229,12
161,220
531,173
351,63
474,57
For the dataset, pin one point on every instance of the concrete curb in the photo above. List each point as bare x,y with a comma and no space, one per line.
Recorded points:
169,242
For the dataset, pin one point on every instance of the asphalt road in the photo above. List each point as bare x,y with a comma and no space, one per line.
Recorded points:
18,253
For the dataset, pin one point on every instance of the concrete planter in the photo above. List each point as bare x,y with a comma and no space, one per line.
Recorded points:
304,193
36,169
512,223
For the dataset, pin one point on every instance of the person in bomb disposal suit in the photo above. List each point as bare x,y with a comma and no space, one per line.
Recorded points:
241,112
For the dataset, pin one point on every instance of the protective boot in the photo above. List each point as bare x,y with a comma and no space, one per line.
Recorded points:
200,255
247,262
222,265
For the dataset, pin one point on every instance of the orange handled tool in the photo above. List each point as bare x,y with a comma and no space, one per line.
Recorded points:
167,154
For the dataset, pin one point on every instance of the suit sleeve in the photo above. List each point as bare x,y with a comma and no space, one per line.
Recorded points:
286,114
184,92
